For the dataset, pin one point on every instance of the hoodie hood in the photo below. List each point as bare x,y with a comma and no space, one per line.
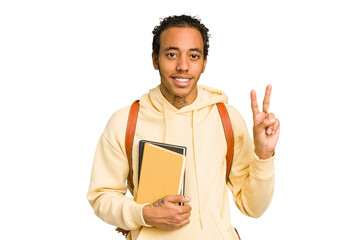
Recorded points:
206,96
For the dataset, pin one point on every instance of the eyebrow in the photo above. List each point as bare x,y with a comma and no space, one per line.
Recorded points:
176,48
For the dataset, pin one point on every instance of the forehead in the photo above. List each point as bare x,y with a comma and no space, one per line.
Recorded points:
181,37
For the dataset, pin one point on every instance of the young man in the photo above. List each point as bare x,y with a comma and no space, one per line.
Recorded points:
181,112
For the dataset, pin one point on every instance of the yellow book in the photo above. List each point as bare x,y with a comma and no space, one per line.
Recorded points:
162,173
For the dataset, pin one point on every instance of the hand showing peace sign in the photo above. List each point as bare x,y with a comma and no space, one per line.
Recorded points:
266,127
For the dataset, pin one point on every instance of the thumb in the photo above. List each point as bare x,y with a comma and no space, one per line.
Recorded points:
177,199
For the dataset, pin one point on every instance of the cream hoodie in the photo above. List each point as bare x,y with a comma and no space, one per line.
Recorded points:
198,127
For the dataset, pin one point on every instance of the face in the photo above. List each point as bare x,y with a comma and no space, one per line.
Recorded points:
180,63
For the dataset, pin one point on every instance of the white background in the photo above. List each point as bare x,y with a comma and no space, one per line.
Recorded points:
66,66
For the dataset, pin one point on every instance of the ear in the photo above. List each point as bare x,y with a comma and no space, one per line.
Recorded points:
155,61
204,65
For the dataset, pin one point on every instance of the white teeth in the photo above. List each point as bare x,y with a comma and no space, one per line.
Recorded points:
182,79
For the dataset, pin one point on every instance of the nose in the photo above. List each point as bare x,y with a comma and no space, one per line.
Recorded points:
183,65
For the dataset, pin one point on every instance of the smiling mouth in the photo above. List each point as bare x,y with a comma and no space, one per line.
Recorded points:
183,80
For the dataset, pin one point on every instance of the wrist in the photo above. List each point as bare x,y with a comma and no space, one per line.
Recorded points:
264,155
146,215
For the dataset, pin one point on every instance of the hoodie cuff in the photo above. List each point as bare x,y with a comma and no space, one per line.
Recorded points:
142,217
263,168
134,215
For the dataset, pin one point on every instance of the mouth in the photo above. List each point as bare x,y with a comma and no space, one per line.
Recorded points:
182,81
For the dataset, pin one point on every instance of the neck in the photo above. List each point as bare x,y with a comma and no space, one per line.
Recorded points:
179,102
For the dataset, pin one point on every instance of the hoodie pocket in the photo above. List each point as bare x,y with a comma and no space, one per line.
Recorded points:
222,229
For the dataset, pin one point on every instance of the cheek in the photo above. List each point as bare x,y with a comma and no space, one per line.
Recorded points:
163,75
165,69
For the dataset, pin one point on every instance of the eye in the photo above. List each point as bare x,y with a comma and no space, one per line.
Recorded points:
171,55
194,56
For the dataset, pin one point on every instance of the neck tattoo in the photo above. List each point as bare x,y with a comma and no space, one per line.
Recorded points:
179,102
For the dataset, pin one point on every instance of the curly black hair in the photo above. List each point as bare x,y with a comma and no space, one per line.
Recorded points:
180,21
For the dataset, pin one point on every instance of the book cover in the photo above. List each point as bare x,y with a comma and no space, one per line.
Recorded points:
174,148
171,147
162,173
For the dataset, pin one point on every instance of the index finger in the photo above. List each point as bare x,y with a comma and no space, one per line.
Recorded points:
254,104
177,198
266,102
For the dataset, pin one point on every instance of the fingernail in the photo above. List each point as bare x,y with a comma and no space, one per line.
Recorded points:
187,199
272,120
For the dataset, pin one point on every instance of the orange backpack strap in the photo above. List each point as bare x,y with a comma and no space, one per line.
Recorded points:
129,139
228,135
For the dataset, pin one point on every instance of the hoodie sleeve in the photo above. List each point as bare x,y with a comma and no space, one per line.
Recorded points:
107,185
251,180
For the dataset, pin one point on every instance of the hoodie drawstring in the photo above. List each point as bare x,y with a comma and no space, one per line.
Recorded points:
196,174
165,123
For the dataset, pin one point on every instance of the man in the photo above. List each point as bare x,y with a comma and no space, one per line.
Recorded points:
181,112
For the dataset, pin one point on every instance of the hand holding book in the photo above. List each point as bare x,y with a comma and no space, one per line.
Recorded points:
166,213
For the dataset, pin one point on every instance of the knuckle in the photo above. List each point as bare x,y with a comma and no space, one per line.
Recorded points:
271,115
177,218
177,211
